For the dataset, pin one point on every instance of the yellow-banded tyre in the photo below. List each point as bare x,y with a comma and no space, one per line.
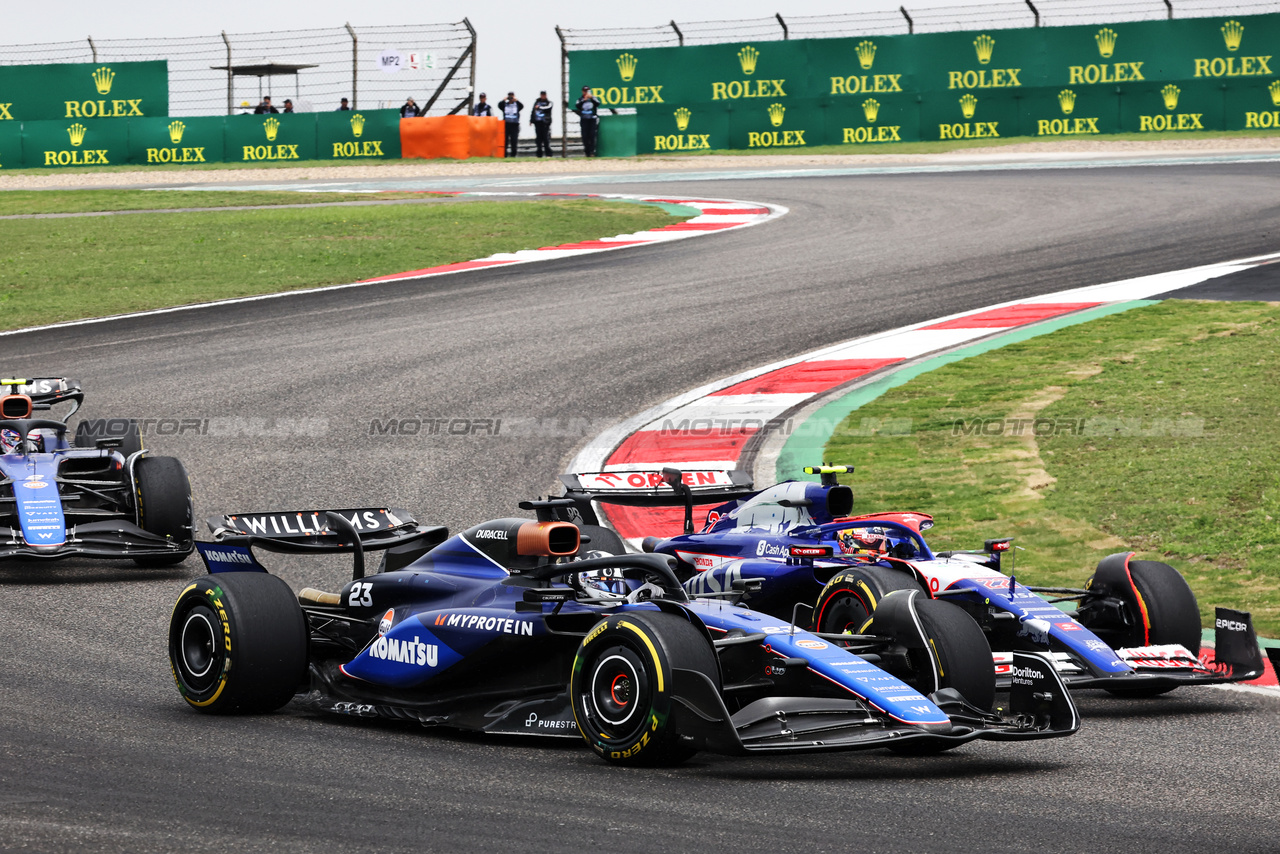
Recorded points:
850,597
238,643
622,685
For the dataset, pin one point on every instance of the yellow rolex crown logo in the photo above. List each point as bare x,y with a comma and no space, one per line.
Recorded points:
682,118
748,57
776,112
102,79
1274,88
1106,39
176,129
871,107
357,124
866,54
626,66
1067,101
76,132
272,126
984,45
1232,32
968,104
1171,94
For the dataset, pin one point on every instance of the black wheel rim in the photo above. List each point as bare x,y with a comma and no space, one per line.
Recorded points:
618,692
843,614
198,649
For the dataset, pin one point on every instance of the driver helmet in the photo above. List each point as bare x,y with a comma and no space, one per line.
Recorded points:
861,541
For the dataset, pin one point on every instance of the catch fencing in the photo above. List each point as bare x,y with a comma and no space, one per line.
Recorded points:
223,73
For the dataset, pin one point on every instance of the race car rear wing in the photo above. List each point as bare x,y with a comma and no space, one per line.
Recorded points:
665,487
46,392
312,532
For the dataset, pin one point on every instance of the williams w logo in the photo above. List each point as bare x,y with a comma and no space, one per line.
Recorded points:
272,127
985,46
357,125
866,54
747,58
1106,39
176,129
76,132
102,80
627,67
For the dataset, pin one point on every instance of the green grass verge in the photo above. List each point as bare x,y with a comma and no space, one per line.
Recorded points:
66,269
20,202
1159,432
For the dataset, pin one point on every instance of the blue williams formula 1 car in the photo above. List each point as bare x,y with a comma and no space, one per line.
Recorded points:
795,547
511,627
98,495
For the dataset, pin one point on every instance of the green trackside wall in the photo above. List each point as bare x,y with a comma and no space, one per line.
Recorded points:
368,134
1140,77
84,90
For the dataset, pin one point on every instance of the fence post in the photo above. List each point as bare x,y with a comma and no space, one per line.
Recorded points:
785,34
1168,4
471,89
1034,11
231,94
564,94
355,64
679,34
93,49
911,25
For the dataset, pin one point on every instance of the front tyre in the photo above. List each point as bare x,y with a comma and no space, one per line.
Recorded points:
850,597
622,685
163,494
238,643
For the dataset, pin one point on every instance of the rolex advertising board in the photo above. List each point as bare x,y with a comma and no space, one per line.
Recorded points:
79,91
10,145
1136,77
270,138
75,142
363,135
184,140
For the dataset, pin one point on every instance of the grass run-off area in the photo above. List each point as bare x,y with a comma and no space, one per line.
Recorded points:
77,267
1155,430
29,202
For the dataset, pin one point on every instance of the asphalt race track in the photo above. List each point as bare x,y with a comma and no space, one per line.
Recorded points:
98,752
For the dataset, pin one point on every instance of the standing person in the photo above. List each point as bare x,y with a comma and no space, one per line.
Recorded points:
540,118
588,110
265,106
409,110
344,105
484,108
511,115
288,105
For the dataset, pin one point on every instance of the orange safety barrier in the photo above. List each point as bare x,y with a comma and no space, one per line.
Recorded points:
456,137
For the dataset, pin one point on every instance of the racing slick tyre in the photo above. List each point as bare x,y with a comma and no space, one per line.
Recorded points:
602,540
249,619
1158,602
961,659
126,429
850,597
163,493
622,681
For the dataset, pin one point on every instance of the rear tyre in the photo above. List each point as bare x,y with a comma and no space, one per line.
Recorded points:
126,429
850,598
1159,603
163,493
247,619
622,683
